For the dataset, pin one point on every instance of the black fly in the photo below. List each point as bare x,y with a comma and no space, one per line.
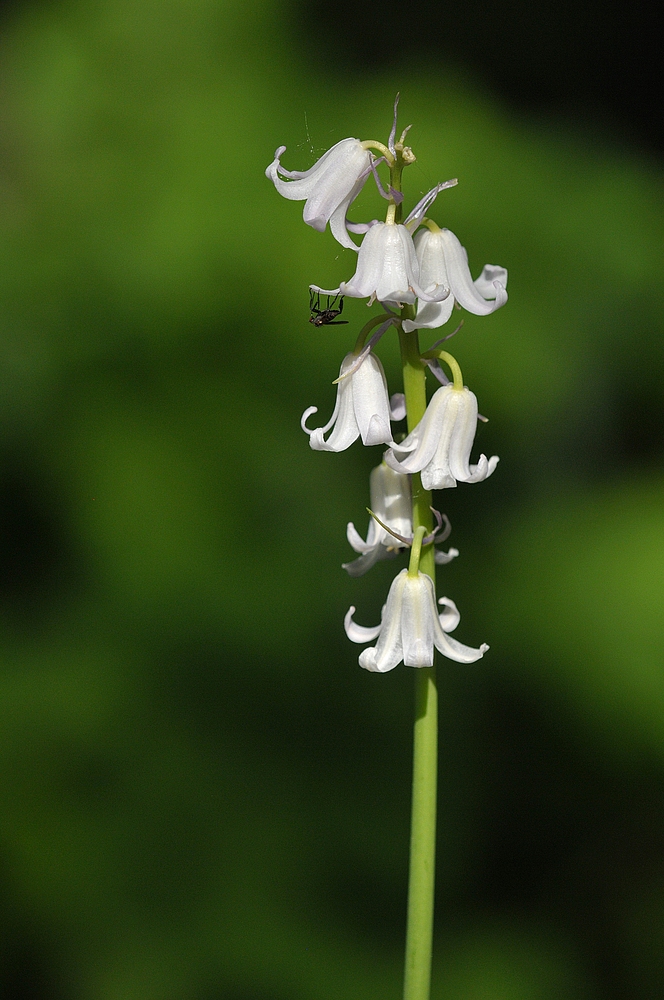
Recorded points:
328,315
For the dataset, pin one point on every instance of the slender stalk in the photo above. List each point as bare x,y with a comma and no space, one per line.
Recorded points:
419,929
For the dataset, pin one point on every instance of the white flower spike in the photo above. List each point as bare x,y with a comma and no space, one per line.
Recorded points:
328,187
410,628
391,503
444,263
439,447
362,408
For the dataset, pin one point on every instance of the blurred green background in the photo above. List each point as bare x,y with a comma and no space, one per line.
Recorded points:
203,796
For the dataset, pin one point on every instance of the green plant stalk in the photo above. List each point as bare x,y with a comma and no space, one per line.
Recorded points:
421,881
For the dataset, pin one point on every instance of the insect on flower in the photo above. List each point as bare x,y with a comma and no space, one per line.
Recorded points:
328,315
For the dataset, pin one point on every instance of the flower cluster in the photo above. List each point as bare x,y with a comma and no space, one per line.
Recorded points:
418,272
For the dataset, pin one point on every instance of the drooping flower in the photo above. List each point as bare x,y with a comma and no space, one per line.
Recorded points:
328,187
410,628
391,502
439,446
444,262
388,269
362,408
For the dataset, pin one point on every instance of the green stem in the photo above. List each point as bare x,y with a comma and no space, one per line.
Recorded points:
419,929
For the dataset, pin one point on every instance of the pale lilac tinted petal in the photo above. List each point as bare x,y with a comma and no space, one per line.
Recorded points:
420,210
393,130
482,470
445,557
360,227
436,369
359,633
463,288
450,618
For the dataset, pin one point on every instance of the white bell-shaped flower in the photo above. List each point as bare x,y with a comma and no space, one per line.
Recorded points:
388,269
362,408
439,447
328,187
410,628
391,502
443,262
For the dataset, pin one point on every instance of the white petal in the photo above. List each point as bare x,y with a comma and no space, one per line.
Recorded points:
431,437
369,266
455,650
417,621
391,502
338,217
486,283
388,650
462,435
358,567
345,429
387,266
451,617
370,401
359,633
400,266
444,557
465,291
430,315
461,443
356,541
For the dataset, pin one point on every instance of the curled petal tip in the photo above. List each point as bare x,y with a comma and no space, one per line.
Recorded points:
309,412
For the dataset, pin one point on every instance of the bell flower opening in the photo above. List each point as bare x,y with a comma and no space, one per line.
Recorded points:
443,262
411,628
362,408
388,269
327,188
439,446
